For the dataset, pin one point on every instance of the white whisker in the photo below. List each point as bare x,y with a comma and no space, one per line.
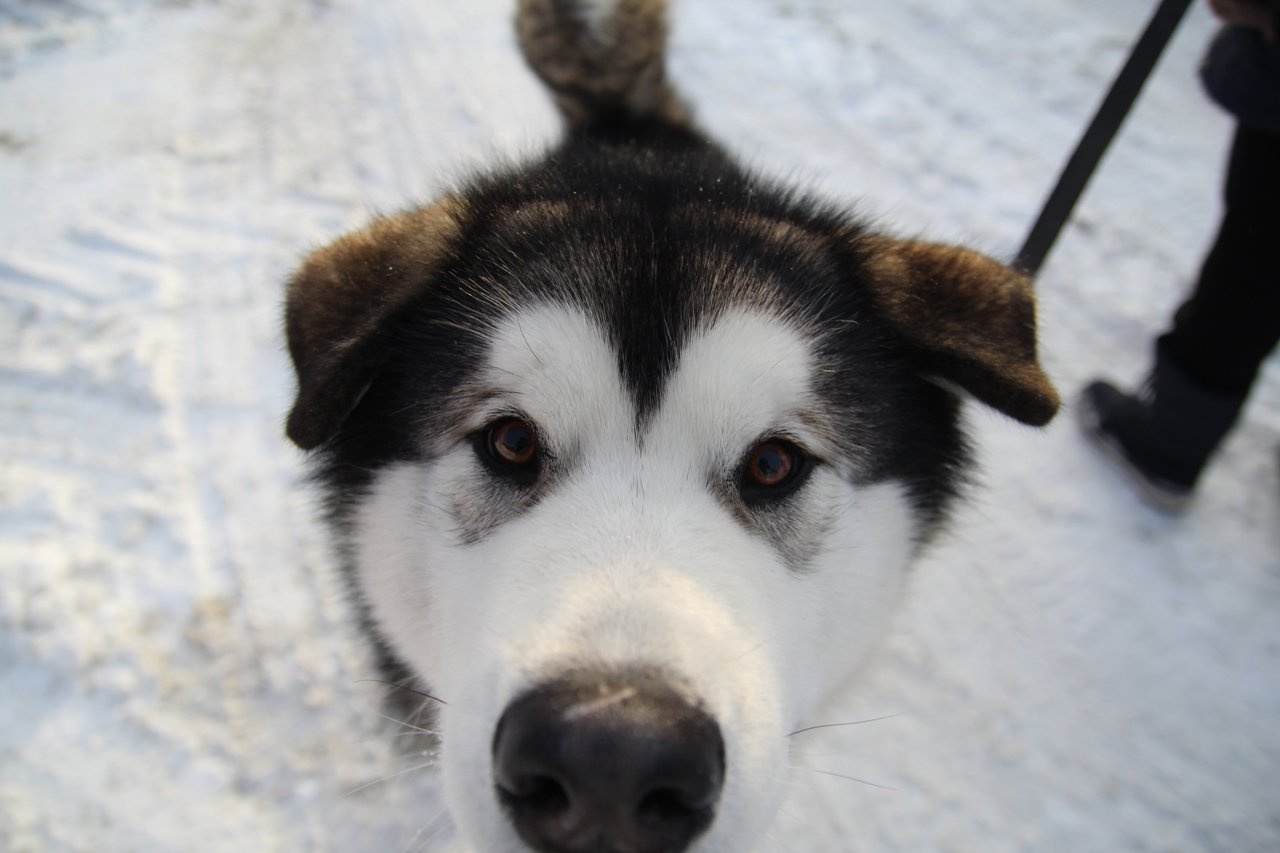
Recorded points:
406,724
850,778
389,777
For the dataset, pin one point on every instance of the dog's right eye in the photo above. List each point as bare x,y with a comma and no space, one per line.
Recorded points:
510,448
772,471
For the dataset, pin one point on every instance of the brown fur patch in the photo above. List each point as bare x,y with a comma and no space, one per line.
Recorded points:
975,317
775,232
737,281
338,299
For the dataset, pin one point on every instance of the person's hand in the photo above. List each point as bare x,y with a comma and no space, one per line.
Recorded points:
1261,15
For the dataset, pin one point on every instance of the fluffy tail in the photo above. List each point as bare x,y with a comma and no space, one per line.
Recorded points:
603,60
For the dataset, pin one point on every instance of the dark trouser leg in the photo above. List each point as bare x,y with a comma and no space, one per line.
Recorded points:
1221,335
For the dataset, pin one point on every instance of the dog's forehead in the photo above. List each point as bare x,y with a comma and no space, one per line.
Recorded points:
745,374
735,376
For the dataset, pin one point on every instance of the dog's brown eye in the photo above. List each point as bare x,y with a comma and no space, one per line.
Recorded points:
772,470
509,448
770,464
512,442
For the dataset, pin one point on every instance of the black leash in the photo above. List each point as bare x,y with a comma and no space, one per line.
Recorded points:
1102,129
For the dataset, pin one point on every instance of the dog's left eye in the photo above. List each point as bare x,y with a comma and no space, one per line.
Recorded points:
772,470
510,448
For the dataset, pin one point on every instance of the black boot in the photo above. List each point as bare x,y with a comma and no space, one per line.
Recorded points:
1163,435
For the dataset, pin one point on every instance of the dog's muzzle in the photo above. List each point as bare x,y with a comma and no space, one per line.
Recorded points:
608,762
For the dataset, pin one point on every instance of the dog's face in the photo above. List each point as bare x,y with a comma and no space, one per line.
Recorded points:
632,495
727,541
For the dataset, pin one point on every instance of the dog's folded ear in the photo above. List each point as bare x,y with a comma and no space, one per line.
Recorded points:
337,304
971,318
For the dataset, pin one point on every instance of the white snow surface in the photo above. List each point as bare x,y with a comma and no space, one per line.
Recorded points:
179,670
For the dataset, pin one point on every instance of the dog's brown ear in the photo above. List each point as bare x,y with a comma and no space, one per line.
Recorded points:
338,301
973,318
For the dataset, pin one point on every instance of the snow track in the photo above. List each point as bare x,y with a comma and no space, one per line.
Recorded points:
178,670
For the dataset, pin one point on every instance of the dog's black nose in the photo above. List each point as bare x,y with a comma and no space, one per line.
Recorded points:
607,763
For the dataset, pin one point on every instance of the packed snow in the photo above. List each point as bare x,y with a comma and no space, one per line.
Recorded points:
178,667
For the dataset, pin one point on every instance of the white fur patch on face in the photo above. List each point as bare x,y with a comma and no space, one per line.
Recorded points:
554,365
743,378
630,559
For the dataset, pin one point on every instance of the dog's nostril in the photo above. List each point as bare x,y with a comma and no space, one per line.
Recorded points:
618,761
540,795
668,806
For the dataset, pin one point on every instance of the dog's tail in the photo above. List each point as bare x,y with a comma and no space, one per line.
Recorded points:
603,60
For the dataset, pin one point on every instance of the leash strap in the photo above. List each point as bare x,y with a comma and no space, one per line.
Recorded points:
1097,137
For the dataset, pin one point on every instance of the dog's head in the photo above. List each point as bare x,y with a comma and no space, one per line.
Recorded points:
632,486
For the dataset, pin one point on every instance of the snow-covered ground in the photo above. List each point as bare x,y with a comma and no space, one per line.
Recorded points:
1071,672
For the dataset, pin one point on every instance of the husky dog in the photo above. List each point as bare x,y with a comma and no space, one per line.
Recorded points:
628,452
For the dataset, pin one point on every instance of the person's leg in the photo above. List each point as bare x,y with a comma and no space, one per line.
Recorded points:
1205,365
1231,322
